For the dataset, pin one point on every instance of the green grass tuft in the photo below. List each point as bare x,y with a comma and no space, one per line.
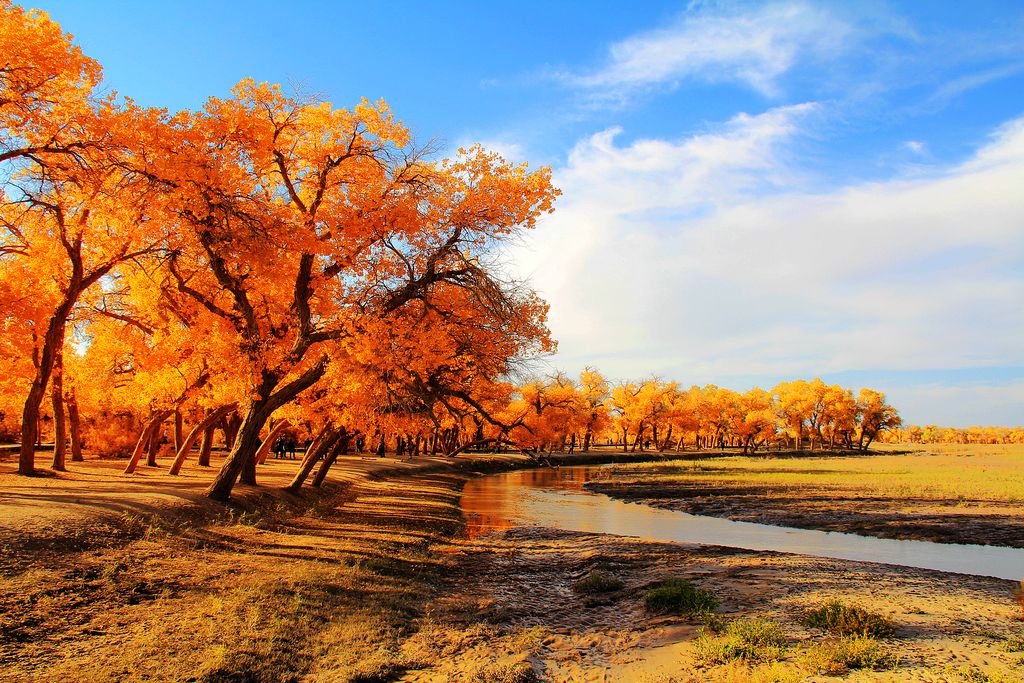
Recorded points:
849,652
597,582
746,640
848,620
679,596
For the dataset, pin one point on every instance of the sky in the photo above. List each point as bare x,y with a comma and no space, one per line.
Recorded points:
751,192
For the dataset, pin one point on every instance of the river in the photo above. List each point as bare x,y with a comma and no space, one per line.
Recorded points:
556,498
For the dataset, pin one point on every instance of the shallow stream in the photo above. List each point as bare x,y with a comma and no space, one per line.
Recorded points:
556,498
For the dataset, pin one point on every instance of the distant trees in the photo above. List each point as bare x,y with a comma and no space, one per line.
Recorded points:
953,435
560,413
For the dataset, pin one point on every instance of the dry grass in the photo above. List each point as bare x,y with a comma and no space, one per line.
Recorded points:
935,472
328,594
841,619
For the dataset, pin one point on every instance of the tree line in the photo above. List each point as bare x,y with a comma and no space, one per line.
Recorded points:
955,435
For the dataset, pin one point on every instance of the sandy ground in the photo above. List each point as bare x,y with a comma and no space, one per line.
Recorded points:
949,627
109,578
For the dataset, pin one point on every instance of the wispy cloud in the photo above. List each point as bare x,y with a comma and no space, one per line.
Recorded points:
705,258
752,47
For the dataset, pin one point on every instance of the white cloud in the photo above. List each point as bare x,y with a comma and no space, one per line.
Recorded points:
754,47
964,406
916,146
511,151
699,260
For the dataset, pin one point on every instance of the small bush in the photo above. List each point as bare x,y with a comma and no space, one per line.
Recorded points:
850,652
1018,595
1012,645
597,582
967,673
522,672
679,596
747,640
848,620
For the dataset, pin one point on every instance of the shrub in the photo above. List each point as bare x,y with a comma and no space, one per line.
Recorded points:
597,582
679,596
847,620
521,672
1018,595
747,640
849,652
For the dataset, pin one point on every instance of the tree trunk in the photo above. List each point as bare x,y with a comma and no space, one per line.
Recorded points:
145,438
264,451
243,451
586,441
53,344
60,434
207,445
232,423
639,436
340,448
155,441
75,421
205,427
326,440
178,429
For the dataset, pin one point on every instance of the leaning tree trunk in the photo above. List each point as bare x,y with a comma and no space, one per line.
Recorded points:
326,440
205,426
243,451
340,448
144,439
75,422
275,430
60,434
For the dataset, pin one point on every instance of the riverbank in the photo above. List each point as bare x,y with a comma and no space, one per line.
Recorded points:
510,613
110,578
369,579
944,494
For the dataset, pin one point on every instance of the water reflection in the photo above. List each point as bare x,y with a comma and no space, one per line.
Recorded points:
556,498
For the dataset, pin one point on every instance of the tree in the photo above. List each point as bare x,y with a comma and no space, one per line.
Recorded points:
303,226
876,416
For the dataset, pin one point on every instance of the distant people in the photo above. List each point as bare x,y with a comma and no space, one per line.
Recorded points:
291,448
381,447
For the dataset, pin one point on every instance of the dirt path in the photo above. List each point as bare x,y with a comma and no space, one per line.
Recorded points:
107,578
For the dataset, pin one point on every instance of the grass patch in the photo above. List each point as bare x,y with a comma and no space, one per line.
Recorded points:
751,641
967,673
597,582
847,620
522,672
679,596
1012,645
849,652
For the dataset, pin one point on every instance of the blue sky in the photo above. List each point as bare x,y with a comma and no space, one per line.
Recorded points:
752,191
